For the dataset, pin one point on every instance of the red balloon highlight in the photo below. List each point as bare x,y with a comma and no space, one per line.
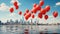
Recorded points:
47,8
20,13
55,14
41,3
46,17
11,10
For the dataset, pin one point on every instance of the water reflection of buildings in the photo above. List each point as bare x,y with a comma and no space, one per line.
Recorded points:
16,22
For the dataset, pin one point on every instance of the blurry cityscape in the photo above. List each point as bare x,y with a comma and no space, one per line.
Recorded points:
22,22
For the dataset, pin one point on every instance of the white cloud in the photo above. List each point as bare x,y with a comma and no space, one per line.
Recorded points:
12,1
58,3
4,7
3,19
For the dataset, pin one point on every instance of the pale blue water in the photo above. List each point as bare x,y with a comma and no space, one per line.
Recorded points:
19,29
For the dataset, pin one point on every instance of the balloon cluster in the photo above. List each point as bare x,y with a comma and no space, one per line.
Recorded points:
16,7
36,8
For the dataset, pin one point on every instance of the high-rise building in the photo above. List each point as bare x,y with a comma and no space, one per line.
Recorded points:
11,21
0,23
16,22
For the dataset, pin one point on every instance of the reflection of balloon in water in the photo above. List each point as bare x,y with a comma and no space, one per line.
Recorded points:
15,3
11,10
47,8
41,3
55,14
46,17
43,11
40,15
20,13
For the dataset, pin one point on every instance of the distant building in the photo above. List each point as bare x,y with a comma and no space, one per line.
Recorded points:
11,21
16,22
0,22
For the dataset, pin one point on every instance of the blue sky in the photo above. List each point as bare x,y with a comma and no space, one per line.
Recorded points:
23,5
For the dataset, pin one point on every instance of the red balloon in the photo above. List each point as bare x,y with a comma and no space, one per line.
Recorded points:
40,15
20,13
24,14
41,3
27,16
15,3
34,10
27,11
43,11
55,14
33,16
16,7
46,17
11,10
47,8
34,5
38,7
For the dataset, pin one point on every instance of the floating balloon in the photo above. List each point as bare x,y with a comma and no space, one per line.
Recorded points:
34,10
38,7
43,11
24,14
15,3
27,11
27,16
16,7
33,16
34,5
11,10
47,8
46,17
55,14
41,3
20,13
40,15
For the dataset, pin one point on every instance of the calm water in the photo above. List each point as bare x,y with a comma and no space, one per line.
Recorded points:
19,29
